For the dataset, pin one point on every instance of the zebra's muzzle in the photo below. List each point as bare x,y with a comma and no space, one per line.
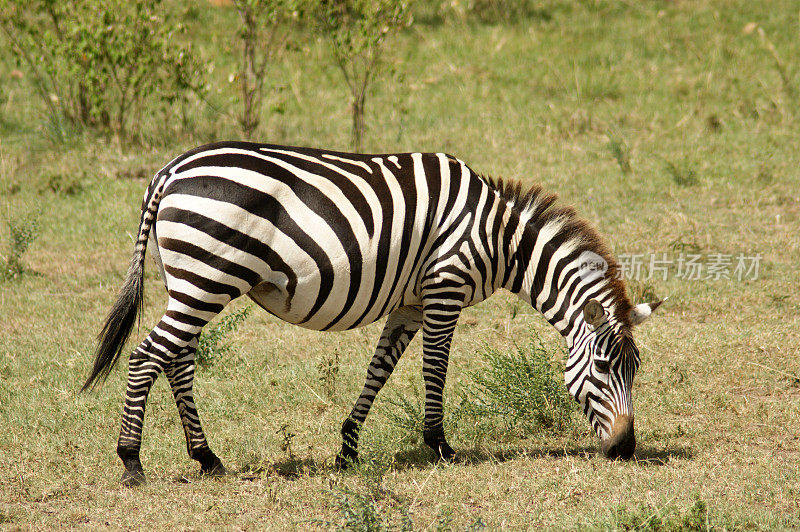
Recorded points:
622,442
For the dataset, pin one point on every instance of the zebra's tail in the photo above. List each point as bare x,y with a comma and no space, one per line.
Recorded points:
120,320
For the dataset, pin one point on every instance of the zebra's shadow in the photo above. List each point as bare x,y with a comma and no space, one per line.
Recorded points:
421,456
655,456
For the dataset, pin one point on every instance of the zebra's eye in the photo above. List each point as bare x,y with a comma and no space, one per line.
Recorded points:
602,365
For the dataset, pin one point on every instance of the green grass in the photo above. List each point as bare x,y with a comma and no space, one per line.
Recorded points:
521,388
211,347
696,110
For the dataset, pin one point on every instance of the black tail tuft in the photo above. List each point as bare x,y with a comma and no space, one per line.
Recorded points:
119,324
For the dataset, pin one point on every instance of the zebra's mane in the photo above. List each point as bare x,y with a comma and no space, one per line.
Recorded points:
540,208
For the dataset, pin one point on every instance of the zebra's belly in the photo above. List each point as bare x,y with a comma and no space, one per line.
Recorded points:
275,299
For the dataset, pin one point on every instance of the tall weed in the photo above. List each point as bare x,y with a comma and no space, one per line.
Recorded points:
22,232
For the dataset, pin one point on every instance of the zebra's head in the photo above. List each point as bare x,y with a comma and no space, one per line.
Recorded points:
603,360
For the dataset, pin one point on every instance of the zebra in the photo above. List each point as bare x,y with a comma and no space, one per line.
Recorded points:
332,241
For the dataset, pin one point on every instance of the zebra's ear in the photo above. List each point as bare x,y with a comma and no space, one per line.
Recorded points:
593,313
641,312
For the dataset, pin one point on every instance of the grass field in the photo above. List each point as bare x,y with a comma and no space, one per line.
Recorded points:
668,124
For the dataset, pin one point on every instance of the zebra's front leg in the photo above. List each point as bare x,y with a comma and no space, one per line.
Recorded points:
145,364
438,326
180,374
400,328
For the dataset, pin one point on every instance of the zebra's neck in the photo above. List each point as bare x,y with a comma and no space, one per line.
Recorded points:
557,262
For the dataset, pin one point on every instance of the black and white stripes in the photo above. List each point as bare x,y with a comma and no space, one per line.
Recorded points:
332,241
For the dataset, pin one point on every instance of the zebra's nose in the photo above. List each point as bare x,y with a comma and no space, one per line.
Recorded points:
622,442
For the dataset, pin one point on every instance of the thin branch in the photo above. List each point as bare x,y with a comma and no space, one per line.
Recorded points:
795,377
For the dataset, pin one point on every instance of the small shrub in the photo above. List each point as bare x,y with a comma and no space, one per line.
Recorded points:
328,367
520,387
477,524
6,517
372,468
359,514
287,436
211,347
406,413
13,188
714,123
63,185
642,291
263,32
22,232
765,175
687,242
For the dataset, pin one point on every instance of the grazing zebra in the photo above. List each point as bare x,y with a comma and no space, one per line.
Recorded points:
332,241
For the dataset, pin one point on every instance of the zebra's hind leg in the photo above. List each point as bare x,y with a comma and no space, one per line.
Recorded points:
146,362
400,328
180,374
170,339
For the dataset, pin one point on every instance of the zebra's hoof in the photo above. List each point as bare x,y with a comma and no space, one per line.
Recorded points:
133,478
435,440
215,469
445,452
344,462
210,464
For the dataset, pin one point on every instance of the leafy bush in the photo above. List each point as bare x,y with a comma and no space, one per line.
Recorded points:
22,232
682,174
359,514
520,386
211,347
358,30
406,413
63,184
99,63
